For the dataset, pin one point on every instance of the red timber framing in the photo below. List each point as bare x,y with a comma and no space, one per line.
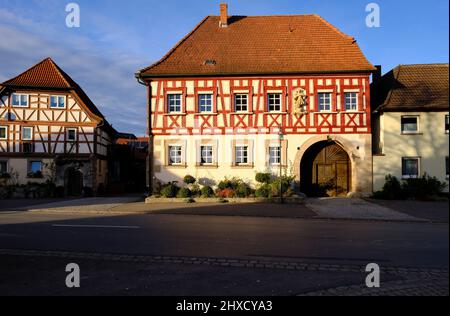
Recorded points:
257,119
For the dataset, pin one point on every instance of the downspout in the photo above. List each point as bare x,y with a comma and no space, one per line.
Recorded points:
150,163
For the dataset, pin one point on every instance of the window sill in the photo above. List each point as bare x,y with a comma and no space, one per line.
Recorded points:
275,112
176,166
408,178
351,111
412,133
206,113
250,166
242,113
175,114
207,166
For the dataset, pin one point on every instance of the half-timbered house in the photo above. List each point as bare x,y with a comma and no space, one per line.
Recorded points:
51,130
246,94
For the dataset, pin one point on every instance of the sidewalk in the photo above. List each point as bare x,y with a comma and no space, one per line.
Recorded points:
356,209
97,205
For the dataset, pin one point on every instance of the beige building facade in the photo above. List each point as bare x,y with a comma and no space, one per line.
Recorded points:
411,124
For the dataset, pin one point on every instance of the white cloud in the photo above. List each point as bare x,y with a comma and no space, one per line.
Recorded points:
105,72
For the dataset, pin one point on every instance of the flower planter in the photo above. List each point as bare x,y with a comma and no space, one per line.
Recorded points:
287,200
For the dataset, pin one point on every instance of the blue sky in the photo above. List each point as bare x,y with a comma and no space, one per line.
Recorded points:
116,38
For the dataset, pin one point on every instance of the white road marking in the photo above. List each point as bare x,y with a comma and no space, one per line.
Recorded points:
97,226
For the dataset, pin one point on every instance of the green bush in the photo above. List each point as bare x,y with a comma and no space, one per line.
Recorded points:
424,188
195,189
243,190
263,178
189,179
263,191
232,183
184,193
285,182
170,190
207,192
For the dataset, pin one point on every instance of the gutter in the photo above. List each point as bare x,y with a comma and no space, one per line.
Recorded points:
140,76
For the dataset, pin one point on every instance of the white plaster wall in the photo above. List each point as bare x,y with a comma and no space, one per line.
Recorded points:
431,145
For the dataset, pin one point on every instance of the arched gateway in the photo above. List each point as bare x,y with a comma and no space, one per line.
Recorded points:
325,170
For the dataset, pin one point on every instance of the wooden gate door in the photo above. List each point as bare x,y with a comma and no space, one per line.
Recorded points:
331,171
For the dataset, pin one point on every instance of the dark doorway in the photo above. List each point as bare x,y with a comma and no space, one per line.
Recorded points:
74,182
325,170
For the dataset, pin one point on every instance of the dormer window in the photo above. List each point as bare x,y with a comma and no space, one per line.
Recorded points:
19,100
57,102
210,62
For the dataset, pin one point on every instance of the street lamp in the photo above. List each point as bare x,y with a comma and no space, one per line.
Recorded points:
281,137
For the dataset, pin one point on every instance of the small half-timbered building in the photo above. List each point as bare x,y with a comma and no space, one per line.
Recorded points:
51,130
246,94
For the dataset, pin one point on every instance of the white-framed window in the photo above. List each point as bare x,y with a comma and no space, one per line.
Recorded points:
205,103
57,102
27,133
175,155
351,101
71,134
241,155
206,155
446,124
240,102
324,101
3,132
410,167
274,102
3,166
19,100
274,155
174,103
410,124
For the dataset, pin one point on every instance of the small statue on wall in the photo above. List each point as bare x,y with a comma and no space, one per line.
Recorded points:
299,101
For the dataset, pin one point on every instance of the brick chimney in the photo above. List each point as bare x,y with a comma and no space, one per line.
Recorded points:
377,73
223,15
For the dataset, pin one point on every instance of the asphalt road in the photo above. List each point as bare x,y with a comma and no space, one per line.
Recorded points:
311,241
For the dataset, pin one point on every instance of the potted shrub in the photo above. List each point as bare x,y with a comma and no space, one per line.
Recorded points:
184,193
189,180
263,177
170,190
207,191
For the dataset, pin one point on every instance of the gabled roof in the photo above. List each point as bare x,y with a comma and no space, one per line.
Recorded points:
422,87
47,75
262,45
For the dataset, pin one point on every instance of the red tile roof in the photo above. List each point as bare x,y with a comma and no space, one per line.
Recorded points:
47,75
413,88
262,45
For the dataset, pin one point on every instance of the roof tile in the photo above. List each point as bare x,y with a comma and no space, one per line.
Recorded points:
262,45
